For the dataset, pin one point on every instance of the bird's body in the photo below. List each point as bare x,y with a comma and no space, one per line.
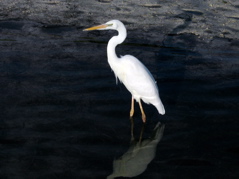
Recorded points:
130,71
137,79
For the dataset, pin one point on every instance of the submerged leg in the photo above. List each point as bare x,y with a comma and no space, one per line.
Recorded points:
132,108
141,133
142,112
132,129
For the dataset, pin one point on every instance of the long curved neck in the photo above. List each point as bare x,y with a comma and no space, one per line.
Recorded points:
113,42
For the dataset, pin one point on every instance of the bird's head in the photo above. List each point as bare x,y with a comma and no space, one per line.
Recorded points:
113,25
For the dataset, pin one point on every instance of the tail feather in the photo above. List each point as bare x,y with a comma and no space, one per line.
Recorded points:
156,101
160,108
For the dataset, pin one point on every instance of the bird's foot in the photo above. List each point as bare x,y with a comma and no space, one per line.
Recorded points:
131,113
144,118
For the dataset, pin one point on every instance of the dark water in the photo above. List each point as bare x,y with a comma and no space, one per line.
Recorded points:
63,116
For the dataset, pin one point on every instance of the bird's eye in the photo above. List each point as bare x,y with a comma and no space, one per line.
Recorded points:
109,25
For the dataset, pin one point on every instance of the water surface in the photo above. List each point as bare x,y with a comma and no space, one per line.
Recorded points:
63,116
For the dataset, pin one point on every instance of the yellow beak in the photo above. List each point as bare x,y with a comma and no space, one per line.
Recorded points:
103,26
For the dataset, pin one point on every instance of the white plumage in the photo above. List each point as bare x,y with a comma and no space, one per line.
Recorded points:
130,71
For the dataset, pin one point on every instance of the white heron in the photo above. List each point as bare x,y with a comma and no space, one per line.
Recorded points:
130,71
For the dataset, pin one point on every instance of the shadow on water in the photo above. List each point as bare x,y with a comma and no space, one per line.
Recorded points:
140,153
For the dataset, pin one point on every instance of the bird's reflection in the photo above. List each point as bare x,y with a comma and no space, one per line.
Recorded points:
140,153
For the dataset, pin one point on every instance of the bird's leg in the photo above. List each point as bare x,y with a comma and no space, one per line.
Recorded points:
142,112
132,108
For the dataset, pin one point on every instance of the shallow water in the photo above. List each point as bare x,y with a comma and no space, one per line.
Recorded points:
63,116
